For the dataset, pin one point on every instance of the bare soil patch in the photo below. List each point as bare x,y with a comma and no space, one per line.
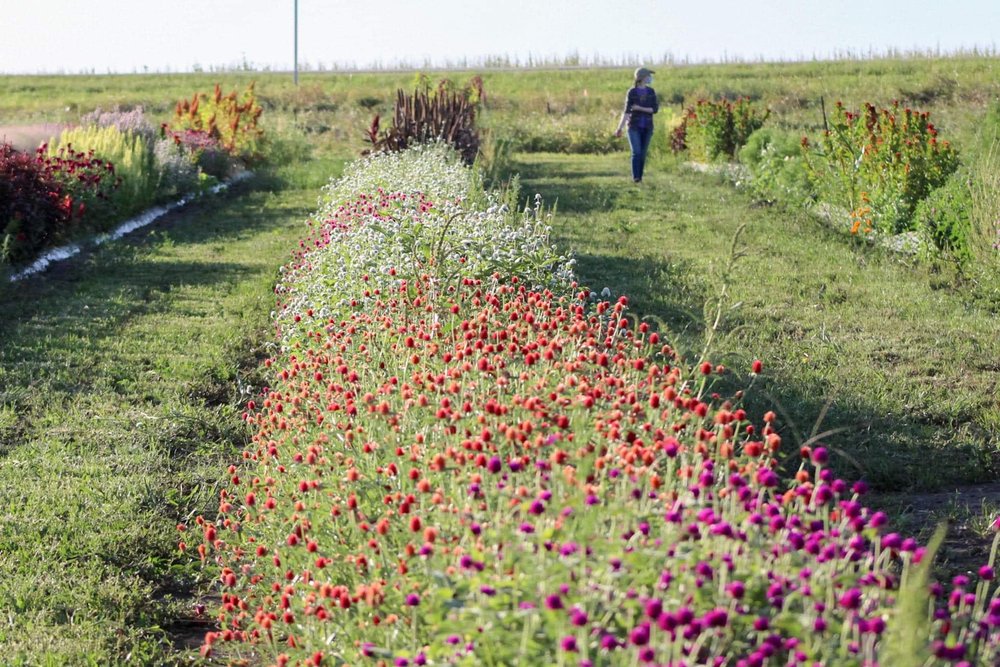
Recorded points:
967,511
28,137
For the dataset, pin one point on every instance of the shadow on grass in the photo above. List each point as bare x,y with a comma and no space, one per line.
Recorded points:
568,190
58,324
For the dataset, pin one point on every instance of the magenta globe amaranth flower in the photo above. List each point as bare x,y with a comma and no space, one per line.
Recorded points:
639,634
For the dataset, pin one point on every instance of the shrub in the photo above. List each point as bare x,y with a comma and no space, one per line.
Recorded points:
33,208
176,166
204,150
879,164
943,218
445,114
231,120
777,171
131,156
710,130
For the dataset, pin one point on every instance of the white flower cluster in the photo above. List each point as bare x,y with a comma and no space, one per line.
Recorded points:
435,170
398,217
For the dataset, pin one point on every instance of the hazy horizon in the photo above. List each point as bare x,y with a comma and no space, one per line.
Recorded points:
120,37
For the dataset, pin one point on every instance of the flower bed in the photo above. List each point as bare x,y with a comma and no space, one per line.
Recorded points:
462,458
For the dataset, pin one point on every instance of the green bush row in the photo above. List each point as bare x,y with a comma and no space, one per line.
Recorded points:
892,173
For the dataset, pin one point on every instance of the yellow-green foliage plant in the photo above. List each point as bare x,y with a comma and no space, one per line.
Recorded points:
131,155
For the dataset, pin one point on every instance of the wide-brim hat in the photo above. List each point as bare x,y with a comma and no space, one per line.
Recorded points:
642,73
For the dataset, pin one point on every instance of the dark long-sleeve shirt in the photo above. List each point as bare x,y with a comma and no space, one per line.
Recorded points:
643,97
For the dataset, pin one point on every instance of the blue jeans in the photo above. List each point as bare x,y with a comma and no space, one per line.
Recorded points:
638,139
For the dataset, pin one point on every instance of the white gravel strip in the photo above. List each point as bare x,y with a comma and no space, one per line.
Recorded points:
145,218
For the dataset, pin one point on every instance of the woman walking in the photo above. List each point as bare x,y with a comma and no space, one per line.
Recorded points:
640,105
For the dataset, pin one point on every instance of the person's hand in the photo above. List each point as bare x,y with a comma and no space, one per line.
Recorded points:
618,133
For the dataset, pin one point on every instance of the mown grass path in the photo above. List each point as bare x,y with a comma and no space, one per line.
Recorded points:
908,365
120,378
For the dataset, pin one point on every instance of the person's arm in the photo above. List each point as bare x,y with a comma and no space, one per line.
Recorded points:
621,123
650,109
626,113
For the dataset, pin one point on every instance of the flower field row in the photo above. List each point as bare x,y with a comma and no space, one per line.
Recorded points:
115,164
466,458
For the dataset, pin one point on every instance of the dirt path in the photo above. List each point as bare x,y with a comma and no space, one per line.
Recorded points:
968,512
28,137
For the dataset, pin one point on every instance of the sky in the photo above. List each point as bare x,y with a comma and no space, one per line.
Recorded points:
125,36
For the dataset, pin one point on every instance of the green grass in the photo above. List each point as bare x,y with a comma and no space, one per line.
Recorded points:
121,380
906,363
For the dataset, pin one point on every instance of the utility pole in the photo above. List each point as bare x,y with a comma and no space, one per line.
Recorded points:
296,75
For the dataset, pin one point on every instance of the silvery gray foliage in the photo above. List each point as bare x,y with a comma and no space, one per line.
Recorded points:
177,172
132,120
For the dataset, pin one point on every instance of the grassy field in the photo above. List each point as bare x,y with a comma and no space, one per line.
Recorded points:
121,379
333,108
121,373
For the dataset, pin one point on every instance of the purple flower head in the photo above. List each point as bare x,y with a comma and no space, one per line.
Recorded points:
736,589
609,642
553,602
494,465
942,650
850,599
412,600
568,644
639,635
716,618
892,541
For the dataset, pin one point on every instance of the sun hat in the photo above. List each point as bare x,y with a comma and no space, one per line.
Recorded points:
642,73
